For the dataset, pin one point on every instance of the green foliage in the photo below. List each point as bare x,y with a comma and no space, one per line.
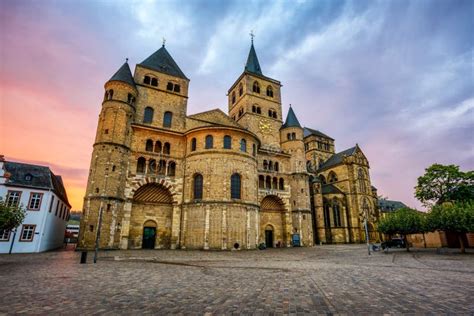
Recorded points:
404,221
10,216
452,217
444,183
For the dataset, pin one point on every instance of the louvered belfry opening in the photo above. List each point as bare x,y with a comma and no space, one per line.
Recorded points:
272,203
153,193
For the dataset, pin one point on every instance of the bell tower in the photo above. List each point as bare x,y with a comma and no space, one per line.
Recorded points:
255,102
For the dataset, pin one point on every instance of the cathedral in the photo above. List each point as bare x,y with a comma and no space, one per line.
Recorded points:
162,179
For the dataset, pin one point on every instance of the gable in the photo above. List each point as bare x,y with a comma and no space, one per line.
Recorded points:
215,117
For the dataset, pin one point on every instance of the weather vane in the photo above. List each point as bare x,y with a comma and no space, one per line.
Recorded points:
252,35
164,41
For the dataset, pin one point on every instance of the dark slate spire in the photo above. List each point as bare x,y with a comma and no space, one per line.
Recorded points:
253,65
291,120
162,61
124,74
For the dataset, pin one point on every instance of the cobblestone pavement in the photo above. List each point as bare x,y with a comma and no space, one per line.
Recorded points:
321,280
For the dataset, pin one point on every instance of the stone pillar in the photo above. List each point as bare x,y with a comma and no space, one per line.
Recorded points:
300,228
287,228
206,229
127,211
224,228
257,227
183,228
175,225
247,241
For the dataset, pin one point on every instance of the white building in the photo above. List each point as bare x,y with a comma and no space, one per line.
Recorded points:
43,196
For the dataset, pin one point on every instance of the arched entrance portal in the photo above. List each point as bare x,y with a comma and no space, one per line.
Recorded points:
149,235
150,218
269,236
272,221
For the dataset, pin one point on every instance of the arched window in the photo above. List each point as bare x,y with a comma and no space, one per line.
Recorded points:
177,88
158,147
209,141
193,144
332,177
171,169
227,142
270,165
167,118
293,136
256,87
243,145
169,86
146,80
275,115
235,186
129,98
141,162
111,94
254,150
327,218
259,110
241,89
106,95
167,148
233,97
336,211
282,184
162,167
254,109
277,167
268,182
270,91
265,165
198,187
361,180
288,136
149,145
241,111
152,166
154,82
275,183
261,182
148,115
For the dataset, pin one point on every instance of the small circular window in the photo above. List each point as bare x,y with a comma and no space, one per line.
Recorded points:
28,177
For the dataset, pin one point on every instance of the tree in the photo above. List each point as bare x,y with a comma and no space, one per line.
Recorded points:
444,183
456,218
404,221
10,216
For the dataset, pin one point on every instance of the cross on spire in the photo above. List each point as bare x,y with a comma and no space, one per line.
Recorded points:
252,35
164,41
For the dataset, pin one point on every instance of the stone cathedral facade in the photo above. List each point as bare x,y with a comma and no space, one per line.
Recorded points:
162,179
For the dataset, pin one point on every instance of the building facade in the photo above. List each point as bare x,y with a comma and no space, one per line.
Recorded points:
44,197
160,178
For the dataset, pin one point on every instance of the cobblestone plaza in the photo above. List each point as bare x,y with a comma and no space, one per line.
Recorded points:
339,279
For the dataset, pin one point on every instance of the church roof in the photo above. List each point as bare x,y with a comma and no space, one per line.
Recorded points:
34,176
337,158
291,120
252,65
215,117
124,74
309,131
390,206
162,61
330,189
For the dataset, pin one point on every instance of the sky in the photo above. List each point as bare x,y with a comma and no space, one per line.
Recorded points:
395,77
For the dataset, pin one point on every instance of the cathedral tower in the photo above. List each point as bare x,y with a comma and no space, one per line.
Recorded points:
107,176
255,102
291,134
164,90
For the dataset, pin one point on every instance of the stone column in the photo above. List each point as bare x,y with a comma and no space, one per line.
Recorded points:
127,211
224,228
287,229
247,241
257,227
175,225
183,231
206,229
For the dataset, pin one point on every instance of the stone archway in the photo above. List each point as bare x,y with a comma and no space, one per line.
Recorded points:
273,215
151,203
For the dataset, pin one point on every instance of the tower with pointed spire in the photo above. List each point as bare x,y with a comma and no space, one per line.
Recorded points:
254,101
